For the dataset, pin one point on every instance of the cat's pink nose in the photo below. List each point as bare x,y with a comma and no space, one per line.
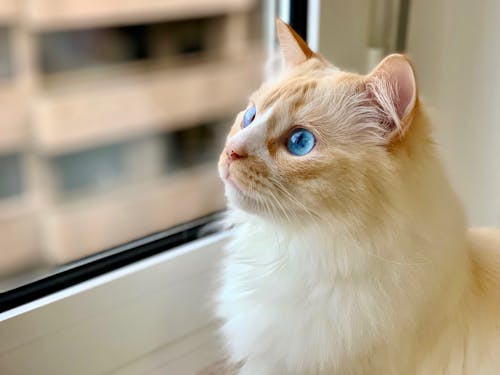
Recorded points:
235,150
233,155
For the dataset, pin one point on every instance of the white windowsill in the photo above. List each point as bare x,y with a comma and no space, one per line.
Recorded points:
154,315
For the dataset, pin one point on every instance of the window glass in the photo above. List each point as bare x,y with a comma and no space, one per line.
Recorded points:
112,116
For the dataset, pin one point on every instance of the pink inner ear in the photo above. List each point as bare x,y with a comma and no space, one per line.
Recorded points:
392,83
401,75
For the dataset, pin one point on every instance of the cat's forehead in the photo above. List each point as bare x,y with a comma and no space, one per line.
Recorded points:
297,86
315,95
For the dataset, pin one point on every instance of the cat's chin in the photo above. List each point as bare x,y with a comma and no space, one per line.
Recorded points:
240,200
235,196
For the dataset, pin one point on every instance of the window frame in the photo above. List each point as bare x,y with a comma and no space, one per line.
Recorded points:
108,260
150,314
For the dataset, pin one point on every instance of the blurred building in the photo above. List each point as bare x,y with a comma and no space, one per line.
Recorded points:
112,115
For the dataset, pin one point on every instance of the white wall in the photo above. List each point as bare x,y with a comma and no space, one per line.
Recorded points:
344,28
455,45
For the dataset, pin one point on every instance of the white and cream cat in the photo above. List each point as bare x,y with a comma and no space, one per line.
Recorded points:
350,252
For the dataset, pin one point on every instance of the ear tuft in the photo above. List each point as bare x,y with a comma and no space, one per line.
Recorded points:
393,86
295,50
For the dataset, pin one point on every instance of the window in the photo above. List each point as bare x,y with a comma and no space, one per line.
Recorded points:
112,116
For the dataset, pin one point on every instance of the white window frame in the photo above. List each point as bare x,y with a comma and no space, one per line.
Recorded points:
153,315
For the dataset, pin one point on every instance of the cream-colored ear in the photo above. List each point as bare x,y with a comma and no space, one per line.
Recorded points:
394,87
295,50
397,71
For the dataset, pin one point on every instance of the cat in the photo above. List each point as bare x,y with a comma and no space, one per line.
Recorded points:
350,252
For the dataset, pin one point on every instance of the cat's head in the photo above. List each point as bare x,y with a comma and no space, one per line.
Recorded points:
318,139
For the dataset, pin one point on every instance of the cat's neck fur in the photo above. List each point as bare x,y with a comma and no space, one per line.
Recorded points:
376,277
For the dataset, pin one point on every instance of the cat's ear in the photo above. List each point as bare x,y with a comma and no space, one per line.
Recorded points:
295,50
393,86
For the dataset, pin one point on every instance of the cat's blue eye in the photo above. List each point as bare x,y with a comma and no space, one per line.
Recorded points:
249,116
301,142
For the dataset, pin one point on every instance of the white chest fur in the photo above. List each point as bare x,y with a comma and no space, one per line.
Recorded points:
308,304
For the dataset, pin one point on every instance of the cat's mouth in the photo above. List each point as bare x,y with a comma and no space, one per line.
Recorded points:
235,193
230,181
236,190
